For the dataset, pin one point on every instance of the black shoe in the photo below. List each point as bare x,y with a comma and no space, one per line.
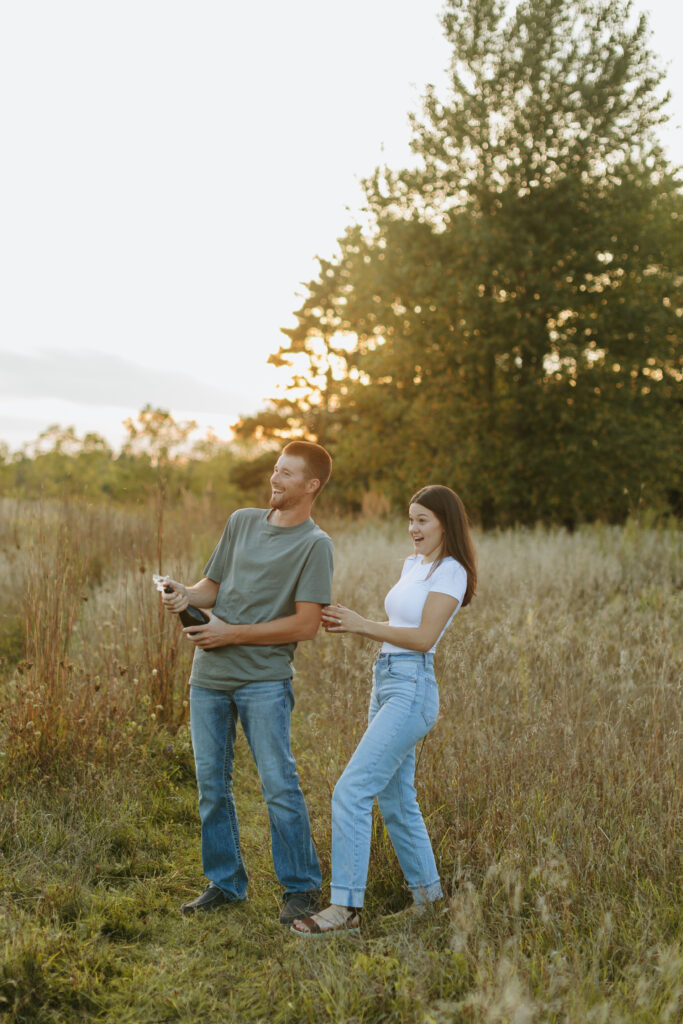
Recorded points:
300,904
211,899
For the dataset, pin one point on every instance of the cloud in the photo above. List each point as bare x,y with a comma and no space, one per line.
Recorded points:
97,378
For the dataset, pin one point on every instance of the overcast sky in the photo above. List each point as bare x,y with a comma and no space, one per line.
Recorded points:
171,169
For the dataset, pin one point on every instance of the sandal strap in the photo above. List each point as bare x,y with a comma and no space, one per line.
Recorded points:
337,919
312,926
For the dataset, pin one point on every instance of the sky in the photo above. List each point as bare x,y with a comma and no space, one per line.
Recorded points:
170,171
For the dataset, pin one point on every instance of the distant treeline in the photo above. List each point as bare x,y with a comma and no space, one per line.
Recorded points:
158,462
156,459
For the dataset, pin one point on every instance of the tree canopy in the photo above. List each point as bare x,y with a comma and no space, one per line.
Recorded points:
508,318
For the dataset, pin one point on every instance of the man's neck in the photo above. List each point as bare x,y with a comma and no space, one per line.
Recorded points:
289,516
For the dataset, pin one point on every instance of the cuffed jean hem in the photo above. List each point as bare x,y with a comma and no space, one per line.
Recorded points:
347,897
427,893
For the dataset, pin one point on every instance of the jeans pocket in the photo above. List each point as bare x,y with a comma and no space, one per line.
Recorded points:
430,706
406,670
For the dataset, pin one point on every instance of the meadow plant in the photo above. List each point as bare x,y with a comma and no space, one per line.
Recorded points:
45,704
87,638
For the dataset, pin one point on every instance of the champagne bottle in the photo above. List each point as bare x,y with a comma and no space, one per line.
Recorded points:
189,616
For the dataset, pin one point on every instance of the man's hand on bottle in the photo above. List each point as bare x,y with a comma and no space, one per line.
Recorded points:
215,633
178,599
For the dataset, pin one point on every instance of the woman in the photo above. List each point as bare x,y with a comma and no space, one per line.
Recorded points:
437,579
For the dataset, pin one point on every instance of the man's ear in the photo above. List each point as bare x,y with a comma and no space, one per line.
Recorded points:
313,485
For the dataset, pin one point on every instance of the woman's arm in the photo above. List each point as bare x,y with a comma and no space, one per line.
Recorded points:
437,611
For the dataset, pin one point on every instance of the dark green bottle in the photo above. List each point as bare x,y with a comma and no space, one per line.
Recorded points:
190,616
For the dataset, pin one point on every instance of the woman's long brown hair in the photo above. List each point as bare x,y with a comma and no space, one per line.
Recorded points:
457,542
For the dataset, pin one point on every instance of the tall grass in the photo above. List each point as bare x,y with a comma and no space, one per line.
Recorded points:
90,658
551,785
552,781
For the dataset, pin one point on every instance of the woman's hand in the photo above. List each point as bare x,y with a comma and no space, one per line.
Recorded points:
338,619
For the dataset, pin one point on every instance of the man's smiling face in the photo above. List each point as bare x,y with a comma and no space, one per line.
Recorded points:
290,483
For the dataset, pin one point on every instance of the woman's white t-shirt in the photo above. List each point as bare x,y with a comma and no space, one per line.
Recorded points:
405,601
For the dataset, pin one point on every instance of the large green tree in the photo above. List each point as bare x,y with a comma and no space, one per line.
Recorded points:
510,321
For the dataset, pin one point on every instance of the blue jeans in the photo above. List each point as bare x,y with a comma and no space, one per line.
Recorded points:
264,709
403,708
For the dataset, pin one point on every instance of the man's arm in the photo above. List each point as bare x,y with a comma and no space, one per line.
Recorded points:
203,595
303,625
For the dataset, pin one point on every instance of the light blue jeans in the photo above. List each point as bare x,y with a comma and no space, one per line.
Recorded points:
264,709
403,708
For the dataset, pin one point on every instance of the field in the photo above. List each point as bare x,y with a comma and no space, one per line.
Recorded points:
551,785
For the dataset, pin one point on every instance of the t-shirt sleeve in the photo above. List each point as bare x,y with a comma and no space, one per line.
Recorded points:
215,567
449,578
315,579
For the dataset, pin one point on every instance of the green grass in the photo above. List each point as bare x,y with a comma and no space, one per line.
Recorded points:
551,785
94,875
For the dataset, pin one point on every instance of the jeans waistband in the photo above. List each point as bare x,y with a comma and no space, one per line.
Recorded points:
426,659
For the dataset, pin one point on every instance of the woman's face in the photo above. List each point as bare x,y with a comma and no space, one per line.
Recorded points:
426,532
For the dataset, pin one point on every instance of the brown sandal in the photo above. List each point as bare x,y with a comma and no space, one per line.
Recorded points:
330,921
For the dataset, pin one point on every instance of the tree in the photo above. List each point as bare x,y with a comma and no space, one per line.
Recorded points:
156,434
515,307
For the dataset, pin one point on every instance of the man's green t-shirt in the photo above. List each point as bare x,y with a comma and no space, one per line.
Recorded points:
263,570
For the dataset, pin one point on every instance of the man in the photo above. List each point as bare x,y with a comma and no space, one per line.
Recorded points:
266,582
